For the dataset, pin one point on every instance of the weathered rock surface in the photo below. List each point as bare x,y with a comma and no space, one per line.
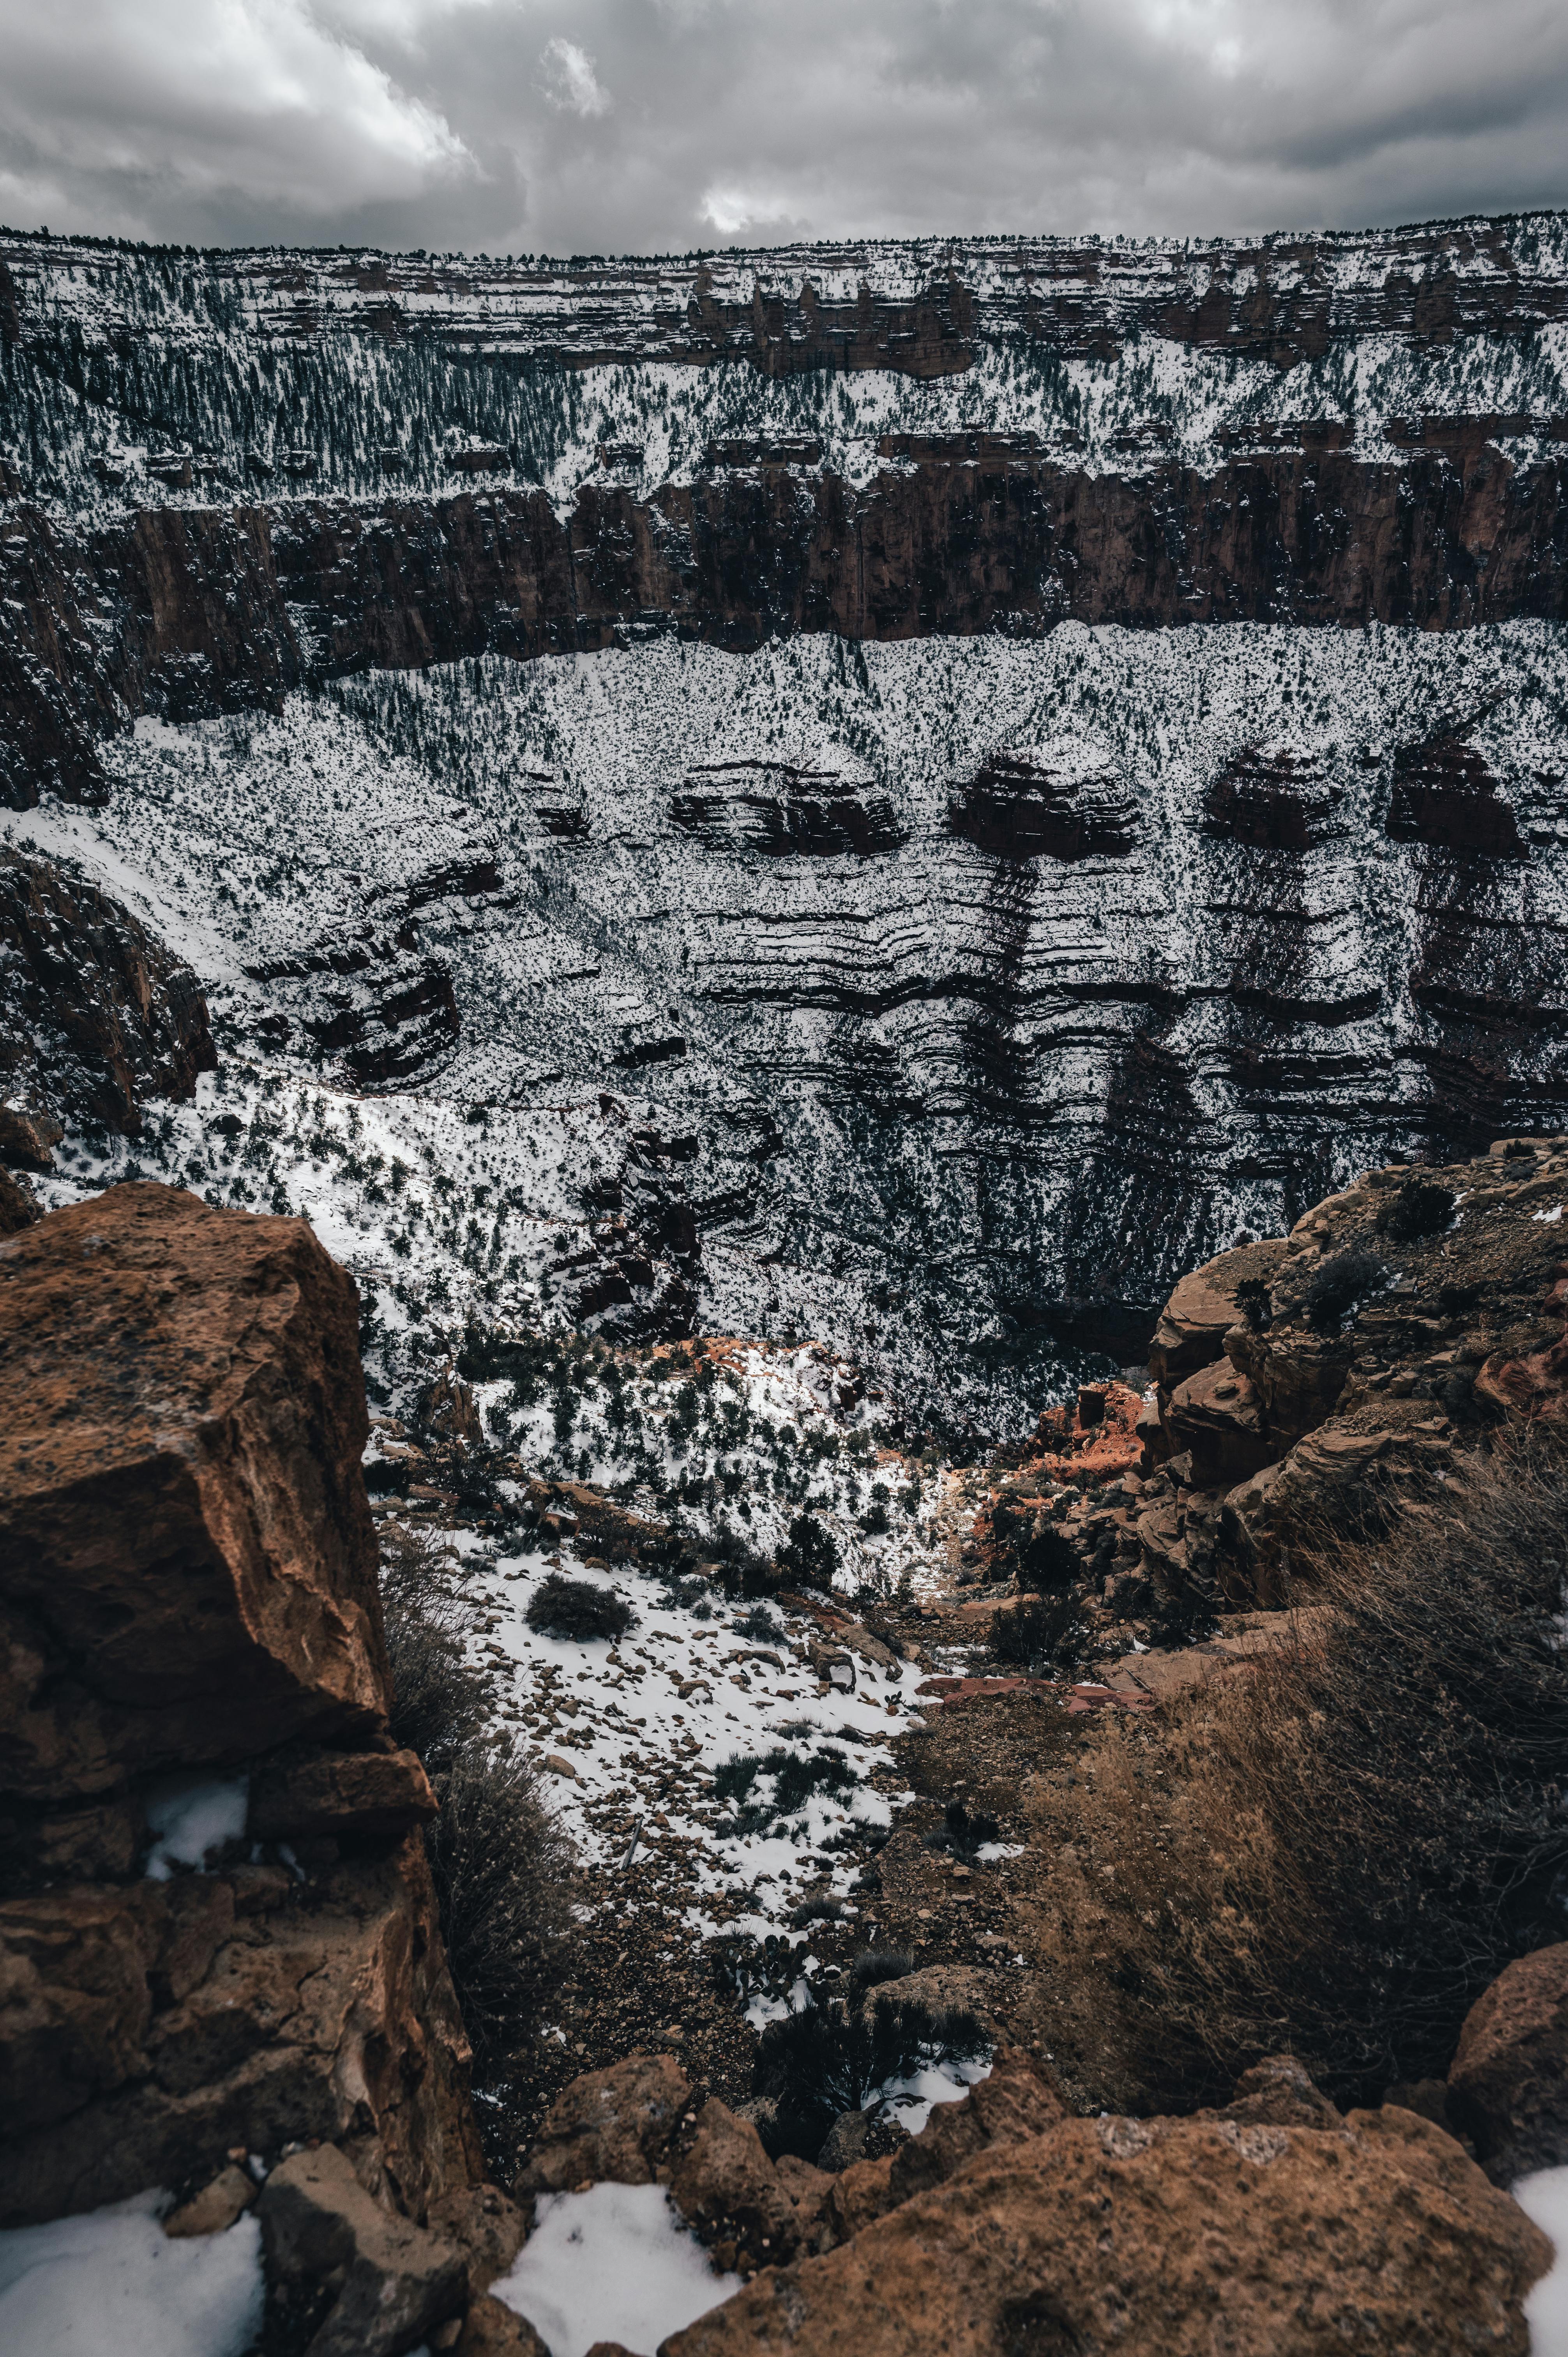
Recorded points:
1166,2236
1508,2084
190,1587
94,1013
389,2279
192,1567
614,2124
1311,1383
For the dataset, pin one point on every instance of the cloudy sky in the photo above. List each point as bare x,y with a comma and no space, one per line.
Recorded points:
642,125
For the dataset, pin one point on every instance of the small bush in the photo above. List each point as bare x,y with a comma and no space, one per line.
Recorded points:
1342,1282
1038,1629
1421,1208
846,2057
576,1608
965,1832
758,1625
1252,1299
793,1777
872,1966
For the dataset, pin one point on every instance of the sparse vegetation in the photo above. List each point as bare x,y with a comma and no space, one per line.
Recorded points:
763,1789
1038,1630
846,2056
1336,1850
503,1865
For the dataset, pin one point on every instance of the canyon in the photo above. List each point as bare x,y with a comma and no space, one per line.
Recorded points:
848,964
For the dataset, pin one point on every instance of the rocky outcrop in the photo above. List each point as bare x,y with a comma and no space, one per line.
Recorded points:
220,1937
1307,1384
95,1014
190,612
1159,2236
920,307
184,1417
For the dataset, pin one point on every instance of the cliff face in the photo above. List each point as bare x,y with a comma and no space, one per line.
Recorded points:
1035,759
190,612
193,1625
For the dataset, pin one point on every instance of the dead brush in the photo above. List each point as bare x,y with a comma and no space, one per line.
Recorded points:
503,1865
1334,1848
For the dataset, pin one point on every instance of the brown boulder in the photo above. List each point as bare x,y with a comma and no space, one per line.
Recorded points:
1011,2105
490,2329
192,1570
614,2125
1193,1325
725,2185
19,1207
393,2280
1507,2087
28,1138
146,2032
1166,2238
487,2229
337,1792
1214,1414
214,2210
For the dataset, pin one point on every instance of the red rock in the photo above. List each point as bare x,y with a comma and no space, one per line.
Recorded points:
338,1792
192,1563
725,2184
1508,2086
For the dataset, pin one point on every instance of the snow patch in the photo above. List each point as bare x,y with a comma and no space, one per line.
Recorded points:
112,2279
190,1817
612,2264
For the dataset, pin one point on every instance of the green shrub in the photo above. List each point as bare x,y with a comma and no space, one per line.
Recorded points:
577,1608
792,1777
845,2056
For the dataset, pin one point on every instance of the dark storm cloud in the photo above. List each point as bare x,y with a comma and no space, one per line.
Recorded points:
616,125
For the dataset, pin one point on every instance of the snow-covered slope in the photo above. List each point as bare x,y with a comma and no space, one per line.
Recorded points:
941,1000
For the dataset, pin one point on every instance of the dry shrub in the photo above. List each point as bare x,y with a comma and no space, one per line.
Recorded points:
1332,1850
503,1865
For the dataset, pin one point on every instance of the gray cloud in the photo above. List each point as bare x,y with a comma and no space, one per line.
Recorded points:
626,126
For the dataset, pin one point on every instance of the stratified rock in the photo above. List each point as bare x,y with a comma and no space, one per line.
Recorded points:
1057,805
613,2123
1191,1330
147,2029
319,2225
337,1793
95,1015
192,1563
446,1407
1166,2238
1508,2086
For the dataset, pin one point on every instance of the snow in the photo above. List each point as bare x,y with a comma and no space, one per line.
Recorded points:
112,2279
192,1815
612,2264
1543,2197
913,2100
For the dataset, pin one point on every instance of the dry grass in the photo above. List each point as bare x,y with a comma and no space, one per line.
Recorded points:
1334,1850
503,1867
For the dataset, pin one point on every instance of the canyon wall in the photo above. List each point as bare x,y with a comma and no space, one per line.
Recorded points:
1136,798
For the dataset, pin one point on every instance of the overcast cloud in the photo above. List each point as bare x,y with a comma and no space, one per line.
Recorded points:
642,126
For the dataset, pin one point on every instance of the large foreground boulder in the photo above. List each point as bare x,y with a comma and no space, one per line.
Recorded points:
1166,2238
193,1652
190,1565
